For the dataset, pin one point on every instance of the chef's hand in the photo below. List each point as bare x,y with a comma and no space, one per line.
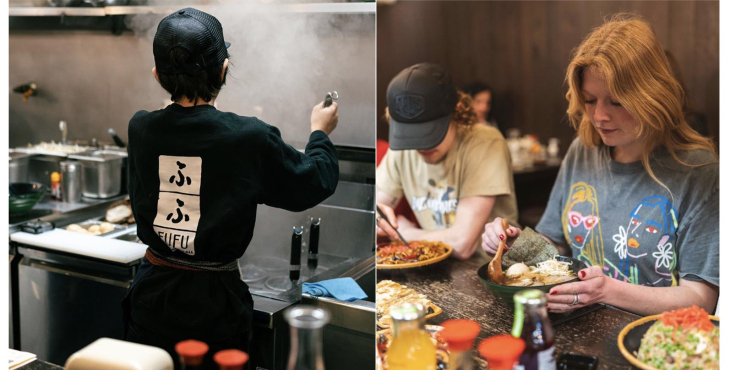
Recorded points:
493,233
592,288
383,228
324,119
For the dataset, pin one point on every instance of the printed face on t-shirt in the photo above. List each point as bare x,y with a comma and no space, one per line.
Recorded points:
581,222
651,233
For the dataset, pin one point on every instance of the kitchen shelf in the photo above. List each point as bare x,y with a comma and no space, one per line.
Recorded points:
331,8
55,12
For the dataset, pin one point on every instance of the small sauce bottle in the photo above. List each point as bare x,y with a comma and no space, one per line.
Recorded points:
533,326
412,347
502,352
191,354
230,359
460,335
56,186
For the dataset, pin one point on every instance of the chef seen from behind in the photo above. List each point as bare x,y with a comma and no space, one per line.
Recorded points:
196,176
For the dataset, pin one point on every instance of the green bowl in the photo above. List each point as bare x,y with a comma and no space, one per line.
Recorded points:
505,293
24,196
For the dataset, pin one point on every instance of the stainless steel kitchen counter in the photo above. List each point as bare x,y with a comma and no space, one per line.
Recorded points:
62,213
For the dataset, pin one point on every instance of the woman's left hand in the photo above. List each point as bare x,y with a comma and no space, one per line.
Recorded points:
592,288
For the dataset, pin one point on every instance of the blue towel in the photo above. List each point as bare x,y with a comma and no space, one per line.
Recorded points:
344,289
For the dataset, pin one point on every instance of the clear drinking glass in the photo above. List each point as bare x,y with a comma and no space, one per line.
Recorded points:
306,325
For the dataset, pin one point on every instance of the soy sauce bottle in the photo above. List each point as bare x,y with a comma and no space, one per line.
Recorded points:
533,326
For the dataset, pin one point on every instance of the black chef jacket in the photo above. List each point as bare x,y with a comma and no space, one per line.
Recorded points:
196,176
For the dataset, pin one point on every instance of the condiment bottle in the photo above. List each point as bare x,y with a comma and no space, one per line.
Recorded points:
411,347
230,359
533,326
502,352
56,186
460,335
191,354
306,325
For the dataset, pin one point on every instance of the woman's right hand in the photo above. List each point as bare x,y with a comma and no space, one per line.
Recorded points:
324,119
493,233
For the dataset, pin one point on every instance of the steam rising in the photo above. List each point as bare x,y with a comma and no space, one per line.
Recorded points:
283,63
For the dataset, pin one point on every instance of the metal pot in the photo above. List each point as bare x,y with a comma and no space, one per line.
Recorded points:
71,181
18,167
102,173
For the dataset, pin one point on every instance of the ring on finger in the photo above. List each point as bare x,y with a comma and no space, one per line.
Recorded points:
576,299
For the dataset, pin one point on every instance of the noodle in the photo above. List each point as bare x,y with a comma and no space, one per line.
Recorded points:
396,253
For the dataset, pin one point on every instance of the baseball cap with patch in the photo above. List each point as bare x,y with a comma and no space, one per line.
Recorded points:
200,33
421,100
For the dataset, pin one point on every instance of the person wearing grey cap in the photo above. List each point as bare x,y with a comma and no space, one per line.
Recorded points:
196,177
455,175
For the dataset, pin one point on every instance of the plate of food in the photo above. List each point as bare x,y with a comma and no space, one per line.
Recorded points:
385,337
686,338
391,294
396,255
93,227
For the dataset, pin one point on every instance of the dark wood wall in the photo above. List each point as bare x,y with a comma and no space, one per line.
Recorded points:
522,50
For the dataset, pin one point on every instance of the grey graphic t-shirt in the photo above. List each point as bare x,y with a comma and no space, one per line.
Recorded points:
616,216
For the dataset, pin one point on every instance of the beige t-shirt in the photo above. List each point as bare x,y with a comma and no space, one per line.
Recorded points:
479,164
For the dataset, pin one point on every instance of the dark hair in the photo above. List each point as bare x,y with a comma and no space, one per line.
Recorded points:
475,88
205,85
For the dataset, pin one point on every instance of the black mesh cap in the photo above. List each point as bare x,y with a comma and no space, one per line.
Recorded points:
421,101
197,32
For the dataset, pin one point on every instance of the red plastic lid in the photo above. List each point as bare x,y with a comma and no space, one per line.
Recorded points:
501,351
191,351
460,334
230,358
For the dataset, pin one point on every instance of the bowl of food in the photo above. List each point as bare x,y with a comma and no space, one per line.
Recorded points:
686,338
543,276
24,196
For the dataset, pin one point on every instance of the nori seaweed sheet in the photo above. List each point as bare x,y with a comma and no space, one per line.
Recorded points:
529,248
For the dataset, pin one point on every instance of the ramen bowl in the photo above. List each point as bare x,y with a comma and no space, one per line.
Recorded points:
505,292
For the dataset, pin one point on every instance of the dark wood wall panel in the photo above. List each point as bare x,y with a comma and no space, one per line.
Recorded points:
522,49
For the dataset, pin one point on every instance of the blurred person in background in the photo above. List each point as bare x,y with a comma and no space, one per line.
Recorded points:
481,96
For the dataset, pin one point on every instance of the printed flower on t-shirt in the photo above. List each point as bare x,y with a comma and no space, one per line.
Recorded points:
664,256
621,247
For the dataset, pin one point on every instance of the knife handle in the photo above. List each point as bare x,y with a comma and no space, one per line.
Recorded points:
296,254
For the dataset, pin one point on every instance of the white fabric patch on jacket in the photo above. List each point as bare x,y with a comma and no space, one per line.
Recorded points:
178,207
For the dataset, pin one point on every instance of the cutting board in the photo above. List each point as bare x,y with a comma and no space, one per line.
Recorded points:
114,250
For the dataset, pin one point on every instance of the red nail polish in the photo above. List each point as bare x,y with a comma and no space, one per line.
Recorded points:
553,292
582,274
501,237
